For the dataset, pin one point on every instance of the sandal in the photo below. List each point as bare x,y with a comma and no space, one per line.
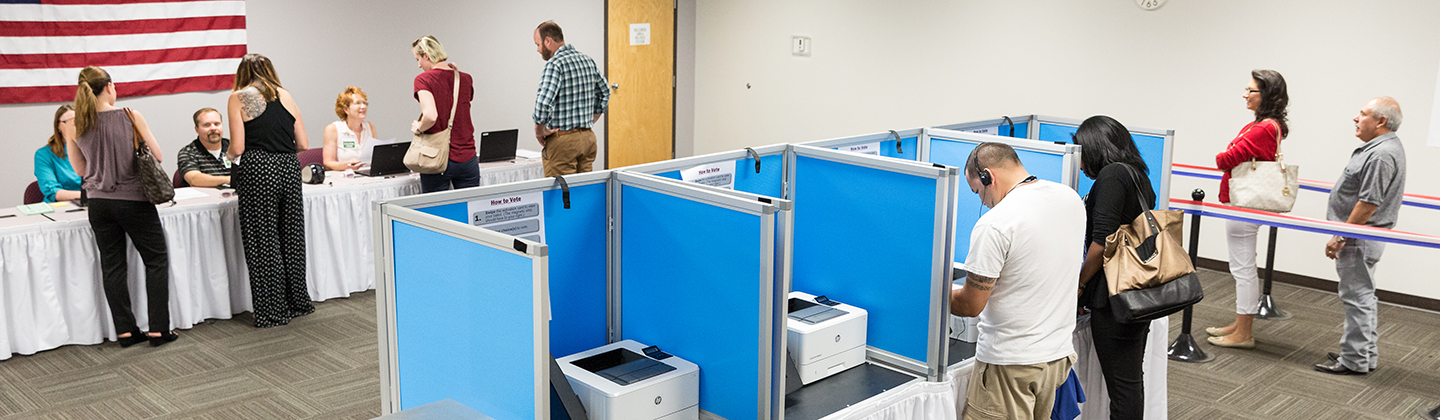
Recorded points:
133,339
166,337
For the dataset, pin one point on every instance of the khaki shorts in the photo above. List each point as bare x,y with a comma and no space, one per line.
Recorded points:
1015,391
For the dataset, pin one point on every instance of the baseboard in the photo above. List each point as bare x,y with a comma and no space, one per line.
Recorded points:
1328,286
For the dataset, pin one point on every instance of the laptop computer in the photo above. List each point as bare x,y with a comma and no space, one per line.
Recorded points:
498,145
388,159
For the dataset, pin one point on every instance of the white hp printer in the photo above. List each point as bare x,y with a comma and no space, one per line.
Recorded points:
825,337
640,382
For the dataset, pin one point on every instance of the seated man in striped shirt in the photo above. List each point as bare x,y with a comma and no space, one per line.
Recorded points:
203,162
572,97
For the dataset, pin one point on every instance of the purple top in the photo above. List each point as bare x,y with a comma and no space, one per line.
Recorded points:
109,150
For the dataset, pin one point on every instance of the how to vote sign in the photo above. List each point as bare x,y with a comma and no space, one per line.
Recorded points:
864,149
520,215
720,175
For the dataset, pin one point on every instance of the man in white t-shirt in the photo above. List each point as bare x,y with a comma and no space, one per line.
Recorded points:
1023,262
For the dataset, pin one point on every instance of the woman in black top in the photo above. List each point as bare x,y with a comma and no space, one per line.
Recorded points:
1108,155
265,133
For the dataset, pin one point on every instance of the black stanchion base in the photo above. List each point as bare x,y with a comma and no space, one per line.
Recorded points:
1433,414
1185,350
1268,311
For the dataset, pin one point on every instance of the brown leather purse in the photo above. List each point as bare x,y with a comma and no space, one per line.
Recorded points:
158,186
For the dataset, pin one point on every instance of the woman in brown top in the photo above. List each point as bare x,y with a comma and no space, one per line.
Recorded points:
104,154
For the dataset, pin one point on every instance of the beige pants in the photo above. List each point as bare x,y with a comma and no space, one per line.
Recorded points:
1015,391
569,152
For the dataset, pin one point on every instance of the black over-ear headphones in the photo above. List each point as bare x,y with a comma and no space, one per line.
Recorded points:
982,174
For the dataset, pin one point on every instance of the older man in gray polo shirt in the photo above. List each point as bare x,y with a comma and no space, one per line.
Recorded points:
1369,193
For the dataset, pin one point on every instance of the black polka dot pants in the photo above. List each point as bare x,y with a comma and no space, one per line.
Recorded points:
272,222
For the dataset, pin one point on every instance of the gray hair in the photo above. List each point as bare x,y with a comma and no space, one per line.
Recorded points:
1387,107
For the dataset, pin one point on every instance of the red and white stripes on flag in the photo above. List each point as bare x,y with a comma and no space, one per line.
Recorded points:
149,47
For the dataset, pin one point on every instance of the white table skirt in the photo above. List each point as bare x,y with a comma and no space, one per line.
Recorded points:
921,400
50,284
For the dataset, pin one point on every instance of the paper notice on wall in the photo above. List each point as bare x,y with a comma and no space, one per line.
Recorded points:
721,175
864,149
1434,140
521,215
639,34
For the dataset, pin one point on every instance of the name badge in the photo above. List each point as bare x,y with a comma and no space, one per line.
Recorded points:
348,144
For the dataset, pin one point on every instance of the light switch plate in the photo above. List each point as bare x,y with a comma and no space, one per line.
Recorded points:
800,46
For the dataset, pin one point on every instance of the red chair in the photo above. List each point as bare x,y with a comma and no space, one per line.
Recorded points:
32,193
312,156
179,180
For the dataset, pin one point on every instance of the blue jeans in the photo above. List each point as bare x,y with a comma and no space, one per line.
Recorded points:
457,175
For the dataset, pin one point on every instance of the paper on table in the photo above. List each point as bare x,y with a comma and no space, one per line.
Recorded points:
188,193
368,149
528,154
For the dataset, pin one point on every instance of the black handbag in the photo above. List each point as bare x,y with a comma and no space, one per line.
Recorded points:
1149,274
158,186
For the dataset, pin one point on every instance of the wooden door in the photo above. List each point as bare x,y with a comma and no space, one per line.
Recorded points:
641,120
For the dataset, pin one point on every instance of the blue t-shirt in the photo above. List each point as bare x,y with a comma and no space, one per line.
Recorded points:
54,173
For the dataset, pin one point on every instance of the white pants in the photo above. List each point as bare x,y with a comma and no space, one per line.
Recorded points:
1241,237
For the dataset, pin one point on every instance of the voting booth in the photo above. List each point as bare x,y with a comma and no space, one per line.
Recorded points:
1155,145
899,144
682,268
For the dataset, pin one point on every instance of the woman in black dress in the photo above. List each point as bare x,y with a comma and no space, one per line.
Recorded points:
265,133
1109,156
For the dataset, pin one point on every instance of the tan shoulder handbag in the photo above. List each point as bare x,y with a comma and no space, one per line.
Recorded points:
430,153
1149,273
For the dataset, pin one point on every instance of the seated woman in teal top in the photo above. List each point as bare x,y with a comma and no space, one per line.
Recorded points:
58,180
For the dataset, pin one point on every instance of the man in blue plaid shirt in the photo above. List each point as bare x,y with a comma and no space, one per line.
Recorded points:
572,97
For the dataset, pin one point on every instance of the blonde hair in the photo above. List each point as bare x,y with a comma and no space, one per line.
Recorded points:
57,140
256,71
430,47
93,81
343,101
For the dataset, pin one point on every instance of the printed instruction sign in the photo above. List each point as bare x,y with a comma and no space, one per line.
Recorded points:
639,34
720,175
520,215
864,149
994,131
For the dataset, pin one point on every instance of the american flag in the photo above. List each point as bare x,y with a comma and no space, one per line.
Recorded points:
149,47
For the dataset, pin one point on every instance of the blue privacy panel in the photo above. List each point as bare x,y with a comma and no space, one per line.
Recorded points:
768,182
887,148
459,212
1152,151
691,284
464,324
1046,166
577,237
865,237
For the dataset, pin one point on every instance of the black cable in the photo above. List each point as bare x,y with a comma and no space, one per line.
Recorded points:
756,155
564,190
898,149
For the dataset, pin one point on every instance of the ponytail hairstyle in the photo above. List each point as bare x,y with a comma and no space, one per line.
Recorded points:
1273,99
57,140
429,47
93,81
256,71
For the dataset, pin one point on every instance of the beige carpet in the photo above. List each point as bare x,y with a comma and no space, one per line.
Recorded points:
325,366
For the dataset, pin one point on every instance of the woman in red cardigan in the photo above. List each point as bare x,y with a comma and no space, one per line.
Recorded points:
1259,140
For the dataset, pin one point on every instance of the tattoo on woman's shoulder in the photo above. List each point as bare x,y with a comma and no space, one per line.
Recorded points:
252,104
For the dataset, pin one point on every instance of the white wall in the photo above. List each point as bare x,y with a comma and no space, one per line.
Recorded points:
319,47
891,65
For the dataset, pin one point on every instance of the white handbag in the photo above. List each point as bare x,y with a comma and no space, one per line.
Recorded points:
1266,186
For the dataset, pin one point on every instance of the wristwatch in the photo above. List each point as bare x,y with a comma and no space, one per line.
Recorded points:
1340,239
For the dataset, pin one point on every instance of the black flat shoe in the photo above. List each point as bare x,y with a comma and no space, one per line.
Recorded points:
1336,368
133,339
167,337
1336,356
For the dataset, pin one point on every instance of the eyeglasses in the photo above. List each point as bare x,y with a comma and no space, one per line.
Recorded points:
1250,91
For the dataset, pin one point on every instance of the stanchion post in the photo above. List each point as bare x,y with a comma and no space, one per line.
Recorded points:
1268,309
1433,414
1184,348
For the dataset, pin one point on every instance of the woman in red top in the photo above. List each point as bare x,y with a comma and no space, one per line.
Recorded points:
1259,140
